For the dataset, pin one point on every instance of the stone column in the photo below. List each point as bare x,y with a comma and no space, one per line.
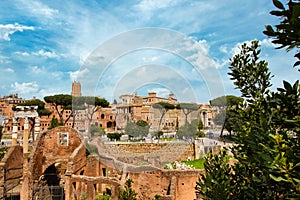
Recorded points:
36,127
68,186
26,189
14,139
25,136
114,192
90,191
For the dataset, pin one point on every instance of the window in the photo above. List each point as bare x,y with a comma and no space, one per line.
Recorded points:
63,138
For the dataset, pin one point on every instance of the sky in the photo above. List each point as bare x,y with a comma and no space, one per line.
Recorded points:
125,47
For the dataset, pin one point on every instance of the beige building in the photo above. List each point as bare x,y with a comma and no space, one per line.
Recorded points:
134,107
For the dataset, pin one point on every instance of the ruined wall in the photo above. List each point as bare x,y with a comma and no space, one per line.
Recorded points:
164,152
11,170
169,184
49,149
77,162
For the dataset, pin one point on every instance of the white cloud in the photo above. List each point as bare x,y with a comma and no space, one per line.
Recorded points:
148,5
42,52
267,43
4,60
25,88
8,29
22,53
78,74
10,70
198,54
38,9
48,54
35,69
161,92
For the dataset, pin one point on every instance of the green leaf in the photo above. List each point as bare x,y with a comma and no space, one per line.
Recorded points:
278,179
278,4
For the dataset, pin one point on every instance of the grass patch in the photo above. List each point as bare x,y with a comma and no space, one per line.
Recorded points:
197,164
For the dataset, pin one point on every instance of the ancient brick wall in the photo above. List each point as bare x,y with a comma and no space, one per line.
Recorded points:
164,152
49,149
11,170
169,184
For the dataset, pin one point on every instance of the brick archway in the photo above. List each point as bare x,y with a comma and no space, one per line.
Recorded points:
53,146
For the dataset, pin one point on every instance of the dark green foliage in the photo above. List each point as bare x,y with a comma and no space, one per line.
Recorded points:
90,149
3,151
1,129
36,102
61,102
228,100
267,150
286,33
229,119
163,105
64,100
127,193
216,183
114,136
159,134
250,75
188,130
200,134
200,125
187,108
137,130
55,123
96,129
90,104
163,108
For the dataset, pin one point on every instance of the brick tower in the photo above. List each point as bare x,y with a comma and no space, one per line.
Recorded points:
76,89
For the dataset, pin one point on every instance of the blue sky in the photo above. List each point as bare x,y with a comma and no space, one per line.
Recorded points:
118,47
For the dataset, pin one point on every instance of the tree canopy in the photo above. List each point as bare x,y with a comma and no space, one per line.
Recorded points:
267,152
163,108
187,108
61,102
137,130
227,100
286,33
36,102
226,117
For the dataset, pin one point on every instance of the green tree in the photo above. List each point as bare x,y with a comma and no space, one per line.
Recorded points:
226,101
163,108
54,123
188,130
137,130
61,102
96,130
286,33
36,102
267,152
226,117
127,193
114,136
90,104
187,108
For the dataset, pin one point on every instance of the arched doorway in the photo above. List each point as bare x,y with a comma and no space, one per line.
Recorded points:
51,184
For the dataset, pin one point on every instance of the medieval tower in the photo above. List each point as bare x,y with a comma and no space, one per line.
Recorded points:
76,89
